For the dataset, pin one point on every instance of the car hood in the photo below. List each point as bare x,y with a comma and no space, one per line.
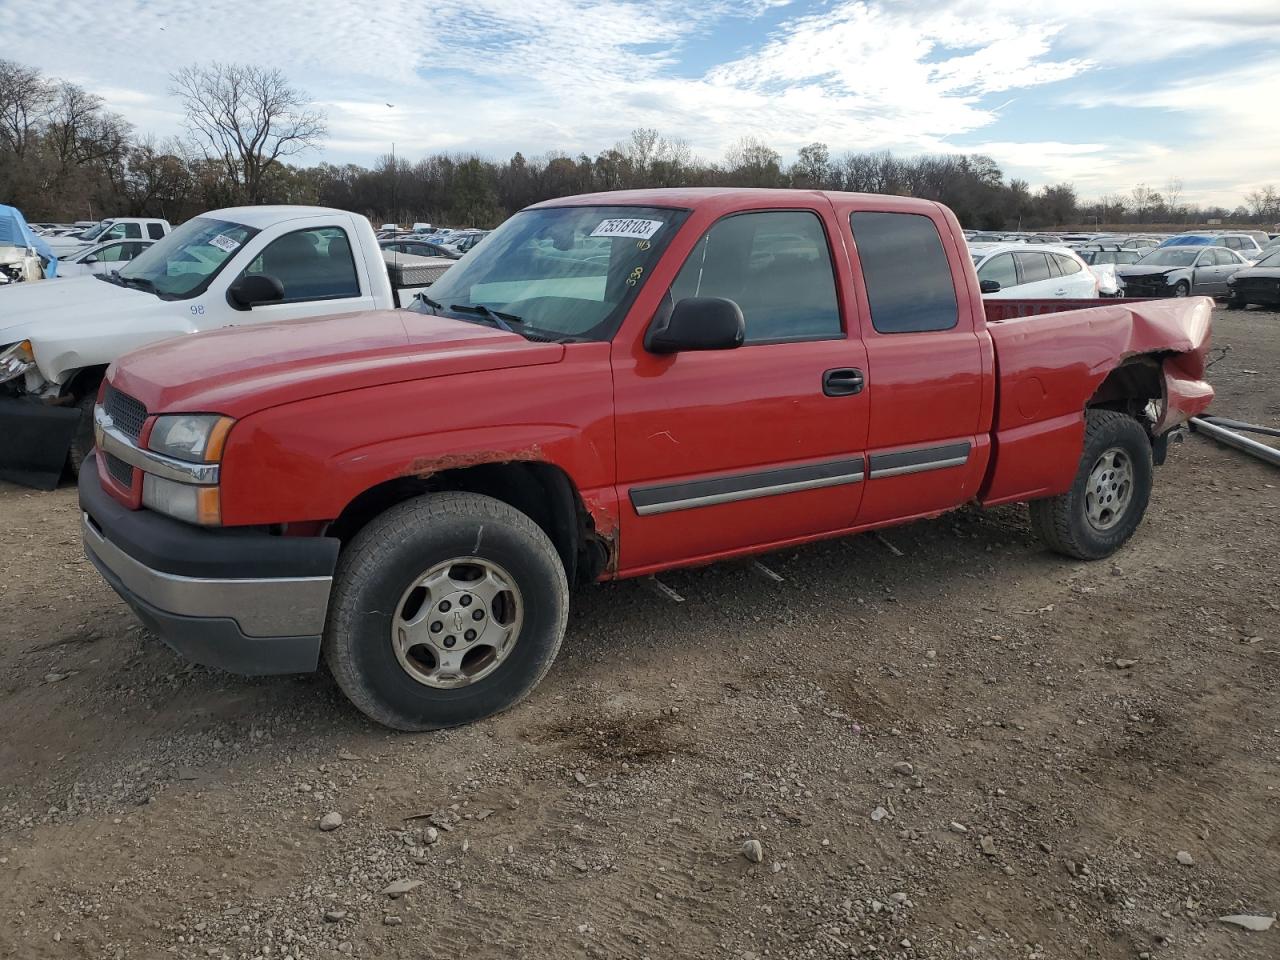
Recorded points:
240,370
1135,270
1246,273
28,311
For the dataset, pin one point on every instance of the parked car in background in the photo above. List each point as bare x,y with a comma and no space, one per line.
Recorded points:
1182,271
1095,257
465,241
1243,243
237,267
118,228
1139,243
1012,270
1259,283
419,248
411,495
101,257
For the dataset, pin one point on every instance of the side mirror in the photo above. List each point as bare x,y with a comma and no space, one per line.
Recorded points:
89,260
698,323
253,290
989,286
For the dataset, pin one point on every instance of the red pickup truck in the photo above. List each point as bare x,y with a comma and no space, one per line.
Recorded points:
609,386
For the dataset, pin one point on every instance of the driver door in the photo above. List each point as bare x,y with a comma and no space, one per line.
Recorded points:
721,450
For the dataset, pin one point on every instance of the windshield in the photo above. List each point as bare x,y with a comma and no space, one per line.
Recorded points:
1170,257
559,272
1187,241
184,263
94,232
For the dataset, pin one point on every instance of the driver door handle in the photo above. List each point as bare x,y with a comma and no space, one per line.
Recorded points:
842,382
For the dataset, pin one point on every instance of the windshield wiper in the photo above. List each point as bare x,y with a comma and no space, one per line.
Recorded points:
138,283
428,301
499,320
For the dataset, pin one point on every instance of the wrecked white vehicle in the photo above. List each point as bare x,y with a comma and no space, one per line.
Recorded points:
233,267
24,254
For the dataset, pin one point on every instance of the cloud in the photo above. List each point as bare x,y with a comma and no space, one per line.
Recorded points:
493,76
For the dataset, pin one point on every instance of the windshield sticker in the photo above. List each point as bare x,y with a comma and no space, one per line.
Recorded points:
635,229
224,243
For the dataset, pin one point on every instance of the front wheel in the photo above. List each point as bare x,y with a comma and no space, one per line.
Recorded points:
1109,496
1183,289
82,441
446,609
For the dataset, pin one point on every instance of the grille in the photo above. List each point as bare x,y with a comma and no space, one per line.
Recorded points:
125,412
119,471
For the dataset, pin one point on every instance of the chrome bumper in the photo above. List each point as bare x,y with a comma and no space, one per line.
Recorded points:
268,607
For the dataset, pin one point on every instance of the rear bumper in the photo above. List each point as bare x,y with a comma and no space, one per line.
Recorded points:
34,440
242,601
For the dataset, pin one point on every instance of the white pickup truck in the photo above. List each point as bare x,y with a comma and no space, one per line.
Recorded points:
116,228
232,267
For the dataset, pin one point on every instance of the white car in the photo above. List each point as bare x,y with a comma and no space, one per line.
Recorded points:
1039,272
102,257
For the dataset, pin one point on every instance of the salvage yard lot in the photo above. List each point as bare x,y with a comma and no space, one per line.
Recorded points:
1091,720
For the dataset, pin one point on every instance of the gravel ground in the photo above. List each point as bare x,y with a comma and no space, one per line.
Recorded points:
974,749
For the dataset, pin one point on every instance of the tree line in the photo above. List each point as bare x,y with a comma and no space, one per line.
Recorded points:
64,155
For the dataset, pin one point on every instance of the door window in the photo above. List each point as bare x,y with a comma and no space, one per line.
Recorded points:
310,264
1224,258
118,252
155,231
1000,268
776,266
1068,266
1035,267
133,231
906,272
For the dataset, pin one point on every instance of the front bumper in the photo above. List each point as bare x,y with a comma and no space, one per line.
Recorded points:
34,440
239,600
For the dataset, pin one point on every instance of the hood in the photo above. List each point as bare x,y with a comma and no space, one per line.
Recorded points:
66,307
1257,273
240,370
1137,270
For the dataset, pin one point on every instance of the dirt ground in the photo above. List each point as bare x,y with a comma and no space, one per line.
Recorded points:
1070,728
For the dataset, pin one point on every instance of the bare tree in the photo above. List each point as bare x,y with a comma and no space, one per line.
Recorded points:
1173,196
25,98
1142,198
247,119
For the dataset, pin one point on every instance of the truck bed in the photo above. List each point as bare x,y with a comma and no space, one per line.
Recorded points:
1010,309
1052,356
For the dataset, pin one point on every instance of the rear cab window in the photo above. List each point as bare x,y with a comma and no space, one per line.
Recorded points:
908,278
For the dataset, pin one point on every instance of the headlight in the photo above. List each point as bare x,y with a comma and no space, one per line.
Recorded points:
196,438
16,360
182,501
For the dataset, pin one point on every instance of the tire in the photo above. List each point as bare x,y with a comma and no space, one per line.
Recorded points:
82,442
1182,289
382,648
1234,303
1077,523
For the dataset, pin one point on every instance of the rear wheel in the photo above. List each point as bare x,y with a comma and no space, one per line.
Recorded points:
1109,496
446,609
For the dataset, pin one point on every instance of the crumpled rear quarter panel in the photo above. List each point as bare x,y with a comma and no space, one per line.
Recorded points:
1049,366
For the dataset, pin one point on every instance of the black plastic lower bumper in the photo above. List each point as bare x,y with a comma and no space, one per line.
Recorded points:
240,600
34,440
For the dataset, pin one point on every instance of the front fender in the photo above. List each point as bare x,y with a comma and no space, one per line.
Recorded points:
306,461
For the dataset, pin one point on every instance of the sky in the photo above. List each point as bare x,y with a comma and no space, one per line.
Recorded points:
1105,96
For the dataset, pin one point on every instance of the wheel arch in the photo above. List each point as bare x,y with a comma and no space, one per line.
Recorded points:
542,491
